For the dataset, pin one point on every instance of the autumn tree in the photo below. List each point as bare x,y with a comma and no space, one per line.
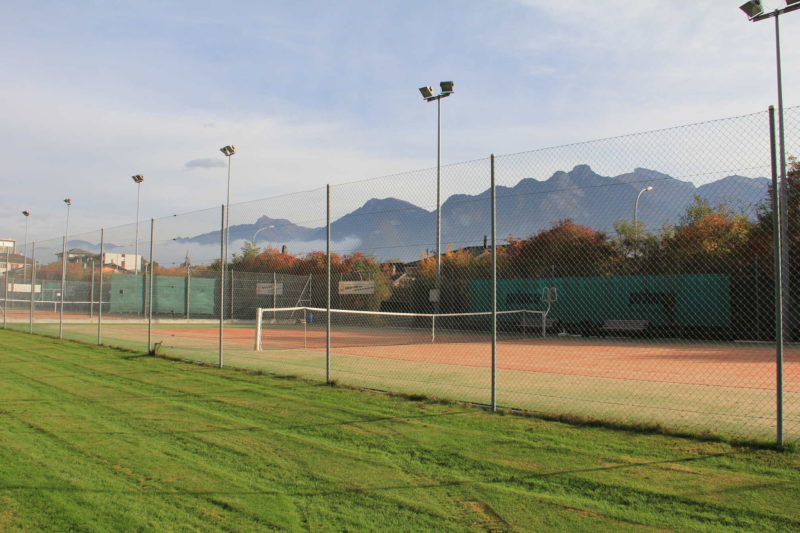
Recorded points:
566,249
707,239
761,243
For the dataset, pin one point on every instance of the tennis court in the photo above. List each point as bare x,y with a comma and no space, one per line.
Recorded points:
721,387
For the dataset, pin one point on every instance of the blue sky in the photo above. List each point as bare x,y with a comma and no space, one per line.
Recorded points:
326,92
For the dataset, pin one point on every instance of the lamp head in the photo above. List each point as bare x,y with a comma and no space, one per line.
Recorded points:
228,150
68,201
447,86
650,188
138,178
26,213
427,92
752,8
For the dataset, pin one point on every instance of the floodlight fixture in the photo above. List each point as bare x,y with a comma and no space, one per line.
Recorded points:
138,178
228,150
752,8
68,201
427,92
447,86
26,213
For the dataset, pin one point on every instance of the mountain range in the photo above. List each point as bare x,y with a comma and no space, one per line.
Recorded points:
393,228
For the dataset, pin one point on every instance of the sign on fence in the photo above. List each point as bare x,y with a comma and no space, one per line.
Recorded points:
24,287
356,287
268,288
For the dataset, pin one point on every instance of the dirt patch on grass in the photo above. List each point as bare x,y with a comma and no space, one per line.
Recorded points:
489,520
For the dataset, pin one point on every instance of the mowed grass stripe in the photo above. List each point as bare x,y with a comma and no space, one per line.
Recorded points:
204,448
196,448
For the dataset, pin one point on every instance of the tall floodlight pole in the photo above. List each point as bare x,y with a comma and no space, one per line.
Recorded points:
755,12
137,179
635,221
27,214
68,202
228,151
429,96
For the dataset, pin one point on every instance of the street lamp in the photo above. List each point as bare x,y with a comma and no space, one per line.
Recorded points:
137,179
68,202
635,223
25,248
259,230
429,96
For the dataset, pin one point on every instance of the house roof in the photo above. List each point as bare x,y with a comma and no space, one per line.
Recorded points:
15,258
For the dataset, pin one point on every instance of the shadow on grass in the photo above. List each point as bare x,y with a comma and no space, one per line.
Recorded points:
271,428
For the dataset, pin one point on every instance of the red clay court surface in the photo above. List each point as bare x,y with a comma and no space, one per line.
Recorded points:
745,366
25,315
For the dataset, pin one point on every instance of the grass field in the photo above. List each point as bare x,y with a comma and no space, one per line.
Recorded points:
722,387
97,439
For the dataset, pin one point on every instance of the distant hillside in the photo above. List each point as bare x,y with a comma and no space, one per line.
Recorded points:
392,228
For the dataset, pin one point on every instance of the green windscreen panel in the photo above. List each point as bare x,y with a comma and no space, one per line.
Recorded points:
689,300
129,295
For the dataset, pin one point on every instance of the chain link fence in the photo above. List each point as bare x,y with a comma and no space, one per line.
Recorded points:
629,279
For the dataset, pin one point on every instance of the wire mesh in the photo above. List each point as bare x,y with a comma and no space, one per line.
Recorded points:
635,282
276,258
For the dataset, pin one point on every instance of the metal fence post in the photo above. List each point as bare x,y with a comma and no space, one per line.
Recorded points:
222,287
777,210
328,292
230,285
494,287
100,289
188,287
91,294
63,288
150,291
33,284
5,291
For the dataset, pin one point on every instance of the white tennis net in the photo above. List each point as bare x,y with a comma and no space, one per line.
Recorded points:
305,327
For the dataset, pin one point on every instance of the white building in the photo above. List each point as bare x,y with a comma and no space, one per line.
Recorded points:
129,262
8,246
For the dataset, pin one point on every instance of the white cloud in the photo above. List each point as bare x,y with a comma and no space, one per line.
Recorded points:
79,120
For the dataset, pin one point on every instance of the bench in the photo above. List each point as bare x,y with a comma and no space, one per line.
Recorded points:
626,325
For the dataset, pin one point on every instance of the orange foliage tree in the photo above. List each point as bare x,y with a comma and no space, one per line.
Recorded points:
706,240
565,249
